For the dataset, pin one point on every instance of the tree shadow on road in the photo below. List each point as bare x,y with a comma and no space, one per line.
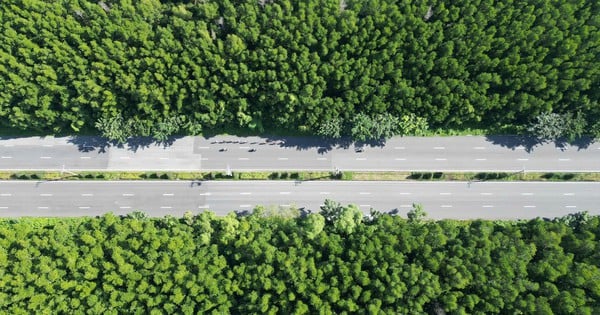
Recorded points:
530,142
100,144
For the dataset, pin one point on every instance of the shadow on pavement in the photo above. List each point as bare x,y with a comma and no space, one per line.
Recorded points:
529,142
90,143
323,145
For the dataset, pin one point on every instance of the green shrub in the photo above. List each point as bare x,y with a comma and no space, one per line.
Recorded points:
568,176
438,175
274,175
346,176
427,175
548,176
415,175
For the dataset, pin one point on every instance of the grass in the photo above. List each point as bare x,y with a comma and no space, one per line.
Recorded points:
304,176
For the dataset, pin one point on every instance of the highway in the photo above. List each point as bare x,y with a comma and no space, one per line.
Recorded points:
464,153
458,200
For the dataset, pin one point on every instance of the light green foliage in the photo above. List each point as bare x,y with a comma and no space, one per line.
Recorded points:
552,126
296,65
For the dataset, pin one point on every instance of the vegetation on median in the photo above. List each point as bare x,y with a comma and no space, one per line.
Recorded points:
303,176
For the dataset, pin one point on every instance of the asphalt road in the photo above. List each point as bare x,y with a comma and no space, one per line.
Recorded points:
460,200
465,153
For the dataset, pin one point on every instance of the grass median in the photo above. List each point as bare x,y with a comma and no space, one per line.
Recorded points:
303,176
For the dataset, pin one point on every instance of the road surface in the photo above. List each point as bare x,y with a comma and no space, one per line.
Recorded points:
465,153
460,200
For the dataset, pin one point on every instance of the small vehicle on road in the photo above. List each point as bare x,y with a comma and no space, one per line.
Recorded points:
358,150
252,150
223,150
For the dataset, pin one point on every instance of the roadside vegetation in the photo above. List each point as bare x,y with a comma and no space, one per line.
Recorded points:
302,176
365,69
332,262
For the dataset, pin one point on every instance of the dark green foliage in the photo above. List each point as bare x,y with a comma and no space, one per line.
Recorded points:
329,263
156,68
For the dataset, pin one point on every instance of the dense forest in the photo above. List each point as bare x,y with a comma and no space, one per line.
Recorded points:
332,262
152,67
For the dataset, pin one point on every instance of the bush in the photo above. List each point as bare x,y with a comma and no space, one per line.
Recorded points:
346,176
415,175
548,176
283,175
426,175
438,175
165,176
568,176
274,175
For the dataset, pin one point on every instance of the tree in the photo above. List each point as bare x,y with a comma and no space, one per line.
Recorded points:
548,126
416,214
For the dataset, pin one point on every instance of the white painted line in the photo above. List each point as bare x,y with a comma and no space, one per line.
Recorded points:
167,195
528,206
5,195
440,159
480,159
85,157
488,206
7,157
399,148
522,159
361,159
163,158
12,145
202,147
405,206
282,159
445,193
86,195
84,207
125,207
3,207
245,206
127,195
47,145
479,148
46,195
446,206
204,159
322,159
564,159
205,194
400,159
366,206
364,193
244,147
125,158
45,157
284,192
486,194
570,206
284,205
42,207
405,193
203,207
245,193
324,193
166,207
568,194
243,159
526,194
439,148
